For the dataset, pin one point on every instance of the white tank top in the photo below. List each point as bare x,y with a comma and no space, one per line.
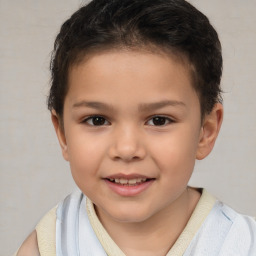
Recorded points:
214,229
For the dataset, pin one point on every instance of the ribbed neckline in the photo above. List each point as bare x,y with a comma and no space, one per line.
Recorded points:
201,211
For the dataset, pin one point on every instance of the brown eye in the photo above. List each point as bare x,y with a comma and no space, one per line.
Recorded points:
96,121
159,121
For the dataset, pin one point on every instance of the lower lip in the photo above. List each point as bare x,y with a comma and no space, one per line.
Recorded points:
126,190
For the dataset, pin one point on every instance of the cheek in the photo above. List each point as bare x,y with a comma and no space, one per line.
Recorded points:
176,152
176,163
85,157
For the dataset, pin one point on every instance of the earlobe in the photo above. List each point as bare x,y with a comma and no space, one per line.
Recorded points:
59,129
209,131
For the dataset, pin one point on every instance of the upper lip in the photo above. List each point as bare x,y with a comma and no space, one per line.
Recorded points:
127,176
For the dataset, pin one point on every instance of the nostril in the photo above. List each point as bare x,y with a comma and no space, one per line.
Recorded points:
126,149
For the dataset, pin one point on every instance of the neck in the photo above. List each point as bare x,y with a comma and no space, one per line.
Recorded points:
156,235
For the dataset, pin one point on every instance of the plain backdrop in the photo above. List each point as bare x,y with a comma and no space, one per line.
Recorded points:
33,175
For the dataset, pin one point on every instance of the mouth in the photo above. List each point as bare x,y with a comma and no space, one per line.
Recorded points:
129,182
129,185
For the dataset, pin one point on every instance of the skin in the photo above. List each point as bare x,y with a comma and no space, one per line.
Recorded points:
29,246
131,89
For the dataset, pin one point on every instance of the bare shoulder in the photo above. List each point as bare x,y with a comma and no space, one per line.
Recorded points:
29,246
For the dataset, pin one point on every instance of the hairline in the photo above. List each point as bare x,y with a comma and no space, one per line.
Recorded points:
174,53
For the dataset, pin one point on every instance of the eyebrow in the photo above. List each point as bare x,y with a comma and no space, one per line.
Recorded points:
161,104
93,104
142,107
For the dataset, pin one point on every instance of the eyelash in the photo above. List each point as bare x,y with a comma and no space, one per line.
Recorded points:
94,117
166,120
89,120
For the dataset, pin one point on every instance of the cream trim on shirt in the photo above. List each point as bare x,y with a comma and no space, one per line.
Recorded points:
46,229
203,208
106,241
46,234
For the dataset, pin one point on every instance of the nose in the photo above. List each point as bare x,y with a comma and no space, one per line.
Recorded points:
127,145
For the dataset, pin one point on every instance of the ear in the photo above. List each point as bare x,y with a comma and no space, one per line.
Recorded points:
209,131
59,129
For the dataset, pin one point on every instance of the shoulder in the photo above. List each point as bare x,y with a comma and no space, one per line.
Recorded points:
42,237
224,232
234,221
29,246
240,231
238,220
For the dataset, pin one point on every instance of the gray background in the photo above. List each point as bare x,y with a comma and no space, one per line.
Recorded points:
33,175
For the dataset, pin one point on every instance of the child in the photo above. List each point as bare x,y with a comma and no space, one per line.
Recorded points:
135,100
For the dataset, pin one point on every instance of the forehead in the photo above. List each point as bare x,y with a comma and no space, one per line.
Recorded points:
130,74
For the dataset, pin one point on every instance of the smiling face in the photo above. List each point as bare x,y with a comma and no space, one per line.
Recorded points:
132,132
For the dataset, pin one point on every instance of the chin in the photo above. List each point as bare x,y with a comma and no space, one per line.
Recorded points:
131,215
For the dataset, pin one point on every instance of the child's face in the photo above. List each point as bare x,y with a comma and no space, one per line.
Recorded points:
131,116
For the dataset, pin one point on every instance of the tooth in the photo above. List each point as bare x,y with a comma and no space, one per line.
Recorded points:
132,181
123,181
143,180
117,180
111,179
138,180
